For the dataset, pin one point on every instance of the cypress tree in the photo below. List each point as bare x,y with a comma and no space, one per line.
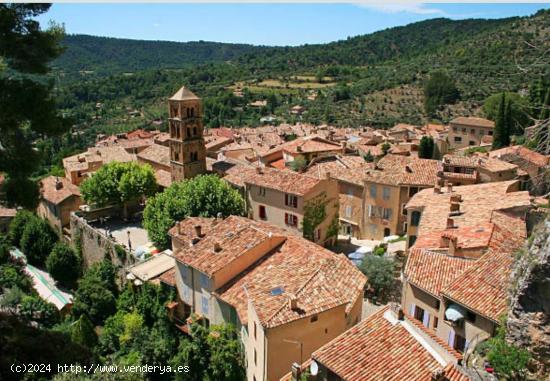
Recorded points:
509,123
426,148
83,332
499,137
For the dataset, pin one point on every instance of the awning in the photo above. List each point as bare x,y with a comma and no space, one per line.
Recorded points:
455,312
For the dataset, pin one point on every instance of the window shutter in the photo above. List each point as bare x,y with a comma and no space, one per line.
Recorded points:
286,218
426,320
451,338
413,309
286,199
295,201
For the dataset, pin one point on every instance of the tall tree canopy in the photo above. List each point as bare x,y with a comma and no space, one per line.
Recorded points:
27,108
202,196
63,264
426,148
116,183
519,109
501,136
439,90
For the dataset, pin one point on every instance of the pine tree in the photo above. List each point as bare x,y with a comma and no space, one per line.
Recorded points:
501,130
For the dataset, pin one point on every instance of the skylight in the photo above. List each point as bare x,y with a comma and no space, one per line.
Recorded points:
277,291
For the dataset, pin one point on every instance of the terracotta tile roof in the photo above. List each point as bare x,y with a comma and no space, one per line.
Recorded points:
384,348
432,270
50,193
308,144
157,154
519,152
236,236
282,180
184,231
453,374
375,150
279,164
473,121
468,237
96,156
483,288
319,279
169,277
162,137
183,94
477,204
217,142
404,170
459,161
350,169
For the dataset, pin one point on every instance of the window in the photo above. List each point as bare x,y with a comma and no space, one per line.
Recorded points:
455,129
261,191
472,131
472,143
373,191
491,133
291,200
348,210
194,131
204,305
79,174
291,220
176,156
413,191
437,304
255,357
436,322
386,213
254,330
412,240
188,132
460,343
463,130
350,191
262,212
458,139
403,210
481,132
386,193
415,218
419,313
314,318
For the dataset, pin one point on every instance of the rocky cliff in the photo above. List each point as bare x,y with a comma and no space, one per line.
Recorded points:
528,324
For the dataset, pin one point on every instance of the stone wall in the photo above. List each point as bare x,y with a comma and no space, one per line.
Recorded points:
528,324
94,245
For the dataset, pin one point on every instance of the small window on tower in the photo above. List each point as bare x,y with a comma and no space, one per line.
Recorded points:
194,131
188,132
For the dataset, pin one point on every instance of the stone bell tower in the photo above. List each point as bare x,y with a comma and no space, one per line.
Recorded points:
187,147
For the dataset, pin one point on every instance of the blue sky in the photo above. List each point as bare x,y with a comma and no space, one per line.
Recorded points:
260,24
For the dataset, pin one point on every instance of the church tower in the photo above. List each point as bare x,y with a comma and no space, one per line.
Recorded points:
187,147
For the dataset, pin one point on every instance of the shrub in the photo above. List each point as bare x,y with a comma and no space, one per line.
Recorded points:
63,264
37,241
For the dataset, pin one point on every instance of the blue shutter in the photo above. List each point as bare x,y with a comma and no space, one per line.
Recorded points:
426,320
451,340
413,309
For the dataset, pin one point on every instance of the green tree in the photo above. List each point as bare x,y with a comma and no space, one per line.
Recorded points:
509,361
385,148
37,241
33,308
380,275
195,353
13,275
5,255
439,90
204,196
545,107
116,183
27,107
95,295
298,164
368,157
314,214
501,137
226,357
426,148
64,264
17,225
519,110
83,333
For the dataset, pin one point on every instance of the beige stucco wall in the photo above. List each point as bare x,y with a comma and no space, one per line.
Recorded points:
351,200
467,134
59,216
375,225
413,295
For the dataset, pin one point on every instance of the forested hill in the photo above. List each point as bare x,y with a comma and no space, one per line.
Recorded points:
105,56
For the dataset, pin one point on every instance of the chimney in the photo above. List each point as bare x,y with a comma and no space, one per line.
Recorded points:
327,175
453,245
259,170
450,223
398,311
444,241
456,197
455,207
449,187
198,230
438,375
296,372
58,184
179,228
293,302
217,247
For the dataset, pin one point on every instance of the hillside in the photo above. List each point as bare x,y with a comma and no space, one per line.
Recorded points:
105,56
375,79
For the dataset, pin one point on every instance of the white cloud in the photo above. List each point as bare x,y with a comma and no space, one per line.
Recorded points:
405,7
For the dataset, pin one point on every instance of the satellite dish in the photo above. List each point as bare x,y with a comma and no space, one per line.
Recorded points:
313,368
